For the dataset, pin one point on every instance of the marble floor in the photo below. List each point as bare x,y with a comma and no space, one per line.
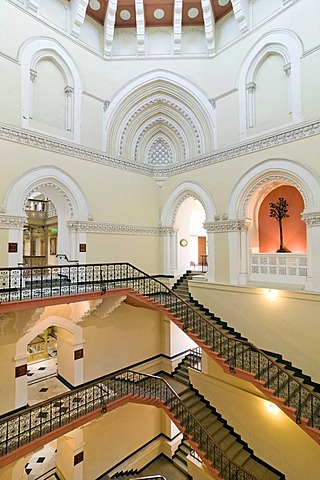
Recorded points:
42,381
42,462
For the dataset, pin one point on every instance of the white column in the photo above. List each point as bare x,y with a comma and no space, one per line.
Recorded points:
33,75
244,254
169,251
287,70
313,252
21,392
251,107
69,91
210,274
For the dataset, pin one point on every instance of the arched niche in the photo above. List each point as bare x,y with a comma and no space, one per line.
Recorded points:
245,202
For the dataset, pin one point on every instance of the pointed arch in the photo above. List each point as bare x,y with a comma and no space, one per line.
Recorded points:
159,93
179,194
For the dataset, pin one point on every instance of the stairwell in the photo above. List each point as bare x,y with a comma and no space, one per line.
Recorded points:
223,435
287,386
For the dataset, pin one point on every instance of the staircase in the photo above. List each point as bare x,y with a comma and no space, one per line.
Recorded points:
179,459
288,386
223,435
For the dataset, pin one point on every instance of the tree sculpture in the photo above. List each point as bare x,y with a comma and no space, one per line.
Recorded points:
279,212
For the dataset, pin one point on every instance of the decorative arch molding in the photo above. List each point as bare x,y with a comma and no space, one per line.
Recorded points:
179,194
31,53
68,199
266,176
160,151
53,320
161,126
60,187
289,46
159,93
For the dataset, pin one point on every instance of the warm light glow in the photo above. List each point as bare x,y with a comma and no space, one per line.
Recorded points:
271,294
271,407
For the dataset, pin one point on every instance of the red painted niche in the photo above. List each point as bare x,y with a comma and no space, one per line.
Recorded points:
294,228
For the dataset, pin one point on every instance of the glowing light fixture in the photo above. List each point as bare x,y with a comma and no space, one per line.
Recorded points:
271,407
271,294
223,3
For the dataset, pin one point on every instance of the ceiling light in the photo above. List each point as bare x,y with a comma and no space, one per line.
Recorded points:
223,3
125,15
94,5
158,13
193,12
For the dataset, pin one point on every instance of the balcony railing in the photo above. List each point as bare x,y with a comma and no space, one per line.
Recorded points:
26,283
288,268
34,422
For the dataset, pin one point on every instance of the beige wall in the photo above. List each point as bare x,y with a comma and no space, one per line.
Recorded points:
117,435
119,340
273,436
285,324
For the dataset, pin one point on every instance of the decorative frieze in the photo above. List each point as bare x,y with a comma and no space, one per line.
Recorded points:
244,148
10,221
223,226
117,228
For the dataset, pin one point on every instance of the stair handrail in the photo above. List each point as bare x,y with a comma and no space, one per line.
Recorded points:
102,400
23,419
101,283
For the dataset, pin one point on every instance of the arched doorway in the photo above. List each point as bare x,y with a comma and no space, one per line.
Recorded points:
191,236
51,349
48,199
40,233
201,209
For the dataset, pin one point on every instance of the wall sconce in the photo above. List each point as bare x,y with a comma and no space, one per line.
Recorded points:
271,294
271,407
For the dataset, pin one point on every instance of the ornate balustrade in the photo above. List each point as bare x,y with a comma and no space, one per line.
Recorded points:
272,378
34,422
288,268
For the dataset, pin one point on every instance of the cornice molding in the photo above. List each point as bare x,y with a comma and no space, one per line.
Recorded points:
117,228
38,140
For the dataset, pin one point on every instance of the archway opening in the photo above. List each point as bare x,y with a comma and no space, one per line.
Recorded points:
40,233
191,236
47,363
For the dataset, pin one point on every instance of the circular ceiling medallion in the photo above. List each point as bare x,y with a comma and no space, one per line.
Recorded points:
125,15
158,13
94,5
193,12
223,3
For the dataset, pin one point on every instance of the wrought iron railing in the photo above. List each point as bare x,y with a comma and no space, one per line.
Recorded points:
33,422
27,283
195,356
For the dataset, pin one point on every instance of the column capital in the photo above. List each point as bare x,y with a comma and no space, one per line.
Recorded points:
287,69
33,75
68,91
250,87
311,219
225,225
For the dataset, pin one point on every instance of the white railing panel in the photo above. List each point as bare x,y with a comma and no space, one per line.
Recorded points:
279,268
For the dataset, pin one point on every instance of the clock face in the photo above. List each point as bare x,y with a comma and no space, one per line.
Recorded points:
183,242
